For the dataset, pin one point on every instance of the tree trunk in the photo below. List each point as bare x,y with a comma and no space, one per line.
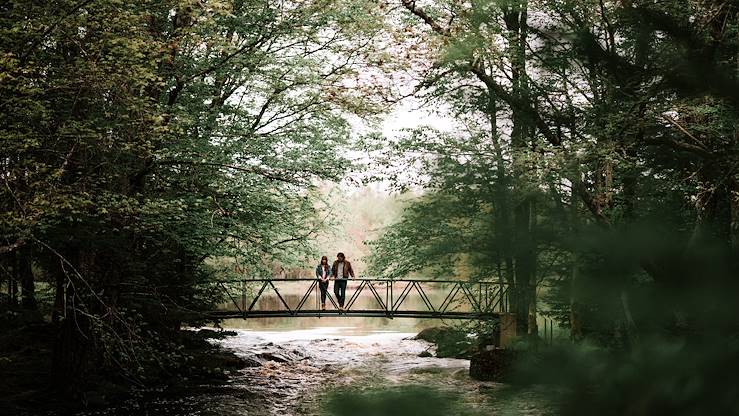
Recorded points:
13,281
525,266
502,210
515,17
28,291
576,326
73,355
60,296
632,335
576,313
734,232
715,222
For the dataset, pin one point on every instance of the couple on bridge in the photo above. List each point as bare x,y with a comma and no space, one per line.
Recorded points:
339,272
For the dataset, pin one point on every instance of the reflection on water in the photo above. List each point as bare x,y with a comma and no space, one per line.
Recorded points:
355,325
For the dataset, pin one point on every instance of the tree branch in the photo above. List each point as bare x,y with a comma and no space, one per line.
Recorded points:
477,69
411,6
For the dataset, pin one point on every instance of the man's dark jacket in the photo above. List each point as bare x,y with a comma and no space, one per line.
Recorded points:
348,271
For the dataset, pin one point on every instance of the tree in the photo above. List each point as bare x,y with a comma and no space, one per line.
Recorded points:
602,133
140,140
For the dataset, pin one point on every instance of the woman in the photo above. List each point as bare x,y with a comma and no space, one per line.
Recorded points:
323,273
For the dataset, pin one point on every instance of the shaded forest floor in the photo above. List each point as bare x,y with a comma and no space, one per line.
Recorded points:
25,365
27,385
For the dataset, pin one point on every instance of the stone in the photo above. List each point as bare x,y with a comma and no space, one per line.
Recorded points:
450,342
493,364
270,356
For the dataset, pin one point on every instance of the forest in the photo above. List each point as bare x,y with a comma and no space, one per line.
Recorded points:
584,152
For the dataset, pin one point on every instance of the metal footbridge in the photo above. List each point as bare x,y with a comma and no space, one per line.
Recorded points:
365,297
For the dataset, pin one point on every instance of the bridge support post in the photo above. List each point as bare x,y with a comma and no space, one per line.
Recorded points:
243,295
507,329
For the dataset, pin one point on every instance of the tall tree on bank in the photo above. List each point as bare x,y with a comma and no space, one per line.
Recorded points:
140,139
476,53
618,125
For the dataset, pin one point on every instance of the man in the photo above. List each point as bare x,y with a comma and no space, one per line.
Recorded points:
341,270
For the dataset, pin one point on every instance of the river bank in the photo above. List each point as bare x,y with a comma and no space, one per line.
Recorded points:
319,370
333,370
27,386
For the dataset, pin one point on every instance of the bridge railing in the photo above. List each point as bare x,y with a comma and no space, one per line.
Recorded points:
431,298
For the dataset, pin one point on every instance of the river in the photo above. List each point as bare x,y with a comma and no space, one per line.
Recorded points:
336,365
302,370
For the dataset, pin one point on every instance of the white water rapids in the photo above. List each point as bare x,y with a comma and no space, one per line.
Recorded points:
334,358
308,364
299,369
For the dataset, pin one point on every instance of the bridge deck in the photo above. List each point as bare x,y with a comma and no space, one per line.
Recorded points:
482,300
365,313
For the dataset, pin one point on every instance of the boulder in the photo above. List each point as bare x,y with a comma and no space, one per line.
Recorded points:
271,356
250,362
493,364
434,334
450,342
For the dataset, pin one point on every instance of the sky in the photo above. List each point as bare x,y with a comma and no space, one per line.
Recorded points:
407,114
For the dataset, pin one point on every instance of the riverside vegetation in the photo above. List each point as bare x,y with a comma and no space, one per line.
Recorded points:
591,161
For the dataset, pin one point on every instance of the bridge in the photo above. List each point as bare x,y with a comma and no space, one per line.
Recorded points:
366,297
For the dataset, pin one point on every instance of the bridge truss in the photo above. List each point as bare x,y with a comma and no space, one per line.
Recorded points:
441,299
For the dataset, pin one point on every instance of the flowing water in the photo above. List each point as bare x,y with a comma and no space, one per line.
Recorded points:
304,361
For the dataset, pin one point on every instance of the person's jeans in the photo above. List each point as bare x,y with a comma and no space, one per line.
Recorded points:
340,291
324,288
